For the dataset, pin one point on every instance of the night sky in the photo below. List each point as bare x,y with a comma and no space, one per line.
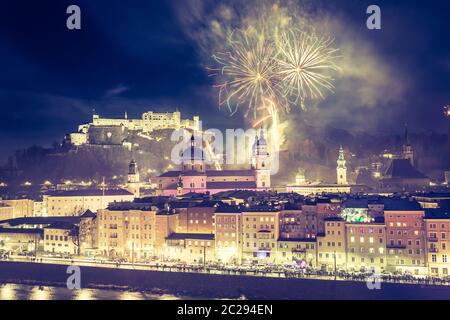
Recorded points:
136,56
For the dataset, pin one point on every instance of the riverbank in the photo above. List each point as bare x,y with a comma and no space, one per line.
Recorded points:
215,285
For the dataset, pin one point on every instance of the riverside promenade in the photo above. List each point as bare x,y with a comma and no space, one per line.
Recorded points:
216,285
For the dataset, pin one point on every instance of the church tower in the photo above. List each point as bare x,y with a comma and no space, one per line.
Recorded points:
261,162
133,181
341,168
408,152
193,158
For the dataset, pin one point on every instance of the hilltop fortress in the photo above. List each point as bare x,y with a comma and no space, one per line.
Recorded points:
104,131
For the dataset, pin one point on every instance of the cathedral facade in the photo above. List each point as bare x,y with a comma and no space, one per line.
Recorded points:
194,176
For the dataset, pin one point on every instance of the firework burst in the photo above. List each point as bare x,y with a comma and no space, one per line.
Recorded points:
249,70
285,66
304,64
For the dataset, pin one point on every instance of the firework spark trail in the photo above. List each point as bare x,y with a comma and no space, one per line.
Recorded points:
303,64
286,68
249,68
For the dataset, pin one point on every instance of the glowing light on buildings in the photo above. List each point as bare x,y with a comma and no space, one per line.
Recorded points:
83,294
41,293
358,215
8,292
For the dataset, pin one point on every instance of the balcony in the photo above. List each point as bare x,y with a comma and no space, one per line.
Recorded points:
433,250
296,250
433,239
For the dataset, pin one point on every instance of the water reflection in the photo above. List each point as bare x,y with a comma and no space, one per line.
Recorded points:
131,296
8,292
84,294
41,293
29,292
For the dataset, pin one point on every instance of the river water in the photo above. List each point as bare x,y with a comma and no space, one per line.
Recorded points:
31,292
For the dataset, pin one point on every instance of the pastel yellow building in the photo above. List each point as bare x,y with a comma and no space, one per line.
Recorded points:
437,224
302,252
195,248
127,231
21,208
76,202
228,235
60,238
366,247
260,228
331,246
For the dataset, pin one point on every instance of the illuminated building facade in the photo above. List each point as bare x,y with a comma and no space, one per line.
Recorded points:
331,246
437,228
406,248
228,234
76,202
194,176
301,252
127,231
260,228
366,246
109,131
61,238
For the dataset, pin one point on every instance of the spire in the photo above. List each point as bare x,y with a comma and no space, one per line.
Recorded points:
341,153
262,139
341,168
406,135
341,159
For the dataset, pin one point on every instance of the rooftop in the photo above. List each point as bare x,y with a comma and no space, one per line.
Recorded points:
260,208
190,236
40,221
438,214
399,204
127,206
90,193
402,168
21,231
298,239
225,208
236,185
228,173
61,226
